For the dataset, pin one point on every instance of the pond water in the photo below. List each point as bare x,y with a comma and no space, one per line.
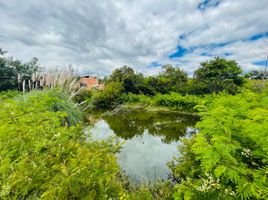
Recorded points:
150,140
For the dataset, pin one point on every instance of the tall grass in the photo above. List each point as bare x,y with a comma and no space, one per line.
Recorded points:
52,100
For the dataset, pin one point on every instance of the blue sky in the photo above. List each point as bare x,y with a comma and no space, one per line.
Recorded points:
98,36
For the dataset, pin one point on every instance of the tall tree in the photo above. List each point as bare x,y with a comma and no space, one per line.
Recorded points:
132,82
218,75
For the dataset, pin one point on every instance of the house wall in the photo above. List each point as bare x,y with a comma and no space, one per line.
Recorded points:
89,82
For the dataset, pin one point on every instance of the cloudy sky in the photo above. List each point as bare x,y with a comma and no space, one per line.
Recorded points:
98,36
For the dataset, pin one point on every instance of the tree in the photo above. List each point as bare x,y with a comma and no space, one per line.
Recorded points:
174,74
17,75
8,78
120,74
156,84
132,82
175,78
170,80
218,75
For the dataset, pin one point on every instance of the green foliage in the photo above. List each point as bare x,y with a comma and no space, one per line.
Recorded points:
228,158
8,94
154,191
177,101
42,158
173,100
55,101
175,78
13,73
132,82
155,84
213,77
8,78
83,96
109,97
218,75
258,86
131,98
170,80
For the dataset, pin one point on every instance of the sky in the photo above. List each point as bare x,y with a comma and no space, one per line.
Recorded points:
96,37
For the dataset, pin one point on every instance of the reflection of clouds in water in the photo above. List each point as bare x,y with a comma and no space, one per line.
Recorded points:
146,156
143,157
190,131
101,130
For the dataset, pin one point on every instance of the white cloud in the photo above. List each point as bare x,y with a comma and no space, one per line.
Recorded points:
97,36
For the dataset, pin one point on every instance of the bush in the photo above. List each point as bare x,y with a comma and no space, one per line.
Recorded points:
135,98
41,157
177,101
257,86
157,190
83,96
109,97
8,94
227,159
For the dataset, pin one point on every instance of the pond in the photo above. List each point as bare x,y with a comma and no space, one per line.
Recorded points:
150,140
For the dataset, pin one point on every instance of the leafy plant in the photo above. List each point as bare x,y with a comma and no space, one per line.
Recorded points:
228,158
131,98
17,75
109,97
177,101
42,158
218,75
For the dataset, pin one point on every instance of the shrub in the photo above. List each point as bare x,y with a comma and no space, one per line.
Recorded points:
109,97
135,98
177,101
257,86
228,158
8,94
83,96
41,157
157,190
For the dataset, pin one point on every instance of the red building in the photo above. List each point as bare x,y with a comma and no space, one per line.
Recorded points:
91,82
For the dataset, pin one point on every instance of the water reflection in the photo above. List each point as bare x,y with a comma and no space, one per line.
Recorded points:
170,125
151,140
145,156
